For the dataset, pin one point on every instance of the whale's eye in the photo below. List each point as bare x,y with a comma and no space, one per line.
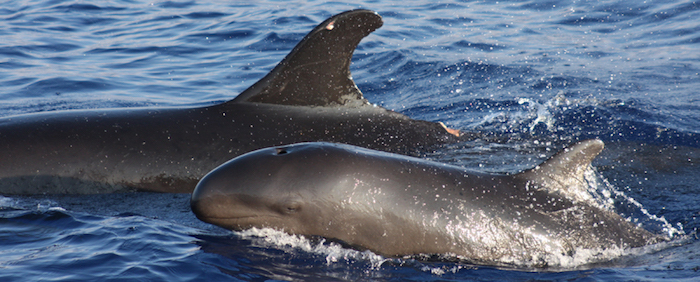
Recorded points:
289,207
281,151
293,207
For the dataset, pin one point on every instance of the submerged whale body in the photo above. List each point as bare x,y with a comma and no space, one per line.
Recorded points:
308,96
396,205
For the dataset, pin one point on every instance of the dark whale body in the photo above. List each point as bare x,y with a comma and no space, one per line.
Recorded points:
309,96
397,205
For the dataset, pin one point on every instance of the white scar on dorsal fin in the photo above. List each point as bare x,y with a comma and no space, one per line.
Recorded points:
564,173
316,72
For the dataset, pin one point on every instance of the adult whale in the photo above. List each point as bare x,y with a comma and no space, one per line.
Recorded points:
308,96
397,205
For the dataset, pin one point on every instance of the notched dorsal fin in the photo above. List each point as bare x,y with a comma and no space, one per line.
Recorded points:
317,71
564,172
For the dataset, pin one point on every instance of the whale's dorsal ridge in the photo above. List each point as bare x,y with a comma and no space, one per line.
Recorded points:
564,172
317,71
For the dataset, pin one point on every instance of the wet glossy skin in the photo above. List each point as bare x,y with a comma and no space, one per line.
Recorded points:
309,96
397,205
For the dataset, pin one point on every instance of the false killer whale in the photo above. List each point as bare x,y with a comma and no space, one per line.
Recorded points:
308,96
397,205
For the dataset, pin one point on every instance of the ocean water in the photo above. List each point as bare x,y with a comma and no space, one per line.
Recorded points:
531,76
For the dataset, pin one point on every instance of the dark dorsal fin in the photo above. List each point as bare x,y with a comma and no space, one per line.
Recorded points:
564,172
317,71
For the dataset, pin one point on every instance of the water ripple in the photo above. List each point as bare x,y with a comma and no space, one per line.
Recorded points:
531,76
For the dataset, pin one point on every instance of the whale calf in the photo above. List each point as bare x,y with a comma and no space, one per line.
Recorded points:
308,96
396,205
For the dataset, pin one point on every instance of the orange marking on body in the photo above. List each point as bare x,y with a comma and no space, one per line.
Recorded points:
454,132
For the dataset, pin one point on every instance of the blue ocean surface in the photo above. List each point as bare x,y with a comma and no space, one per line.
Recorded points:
530,76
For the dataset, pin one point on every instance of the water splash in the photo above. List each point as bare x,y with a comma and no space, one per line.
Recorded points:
606,196
291,243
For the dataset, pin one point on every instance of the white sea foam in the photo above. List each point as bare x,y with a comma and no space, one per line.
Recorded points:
333,253
7,202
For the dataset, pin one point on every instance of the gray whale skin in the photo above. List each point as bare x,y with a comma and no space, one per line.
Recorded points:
308,96
396,205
